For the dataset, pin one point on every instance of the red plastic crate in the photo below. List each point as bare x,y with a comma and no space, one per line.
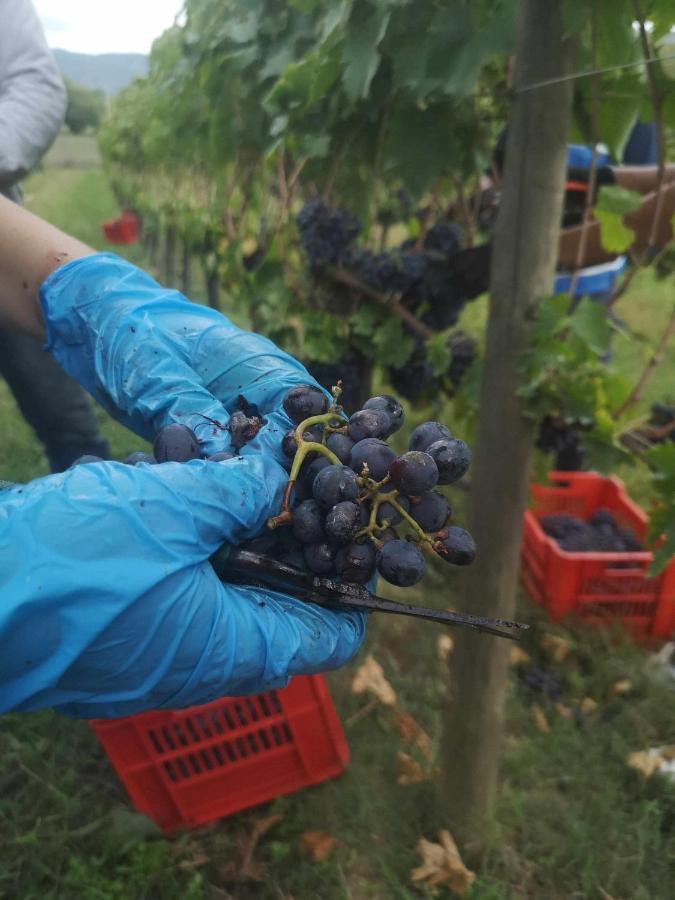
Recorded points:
186,767
122,230
596,587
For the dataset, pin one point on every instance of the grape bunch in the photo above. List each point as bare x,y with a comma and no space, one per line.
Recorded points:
326,233
562,439
600,534
662,419
352,507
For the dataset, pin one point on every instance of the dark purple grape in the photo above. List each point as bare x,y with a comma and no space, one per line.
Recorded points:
389,534
304,401
603,518
290,446
401,563
374,453
221,456
431,511
390,513
242,428
426,434
452,458
308,522
334,484
133,459
309,471
320,558
325,233
414,473
355,563
391,406
85,459
341,445
176,443
343,521
457,546
369,423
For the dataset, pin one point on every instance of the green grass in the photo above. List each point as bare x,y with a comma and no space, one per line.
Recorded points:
572,819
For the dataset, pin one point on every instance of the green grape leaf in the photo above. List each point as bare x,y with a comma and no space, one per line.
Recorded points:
360,55
305,6
615,237
614,199
438,353
365,320
589,323
392,344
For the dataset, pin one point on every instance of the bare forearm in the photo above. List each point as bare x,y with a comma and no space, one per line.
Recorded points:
30,249
642,179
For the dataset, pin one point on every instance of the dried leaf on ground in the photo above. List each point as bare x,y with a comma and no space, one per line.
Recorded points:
518,656
588,706
412,732
539,718
442,865
656,759
411,772
623,686
370,677
557,647
318,844
242,866
444,646
562,710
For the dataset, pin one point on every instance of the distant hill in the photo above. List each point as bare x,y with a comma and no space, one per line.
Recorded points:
109,72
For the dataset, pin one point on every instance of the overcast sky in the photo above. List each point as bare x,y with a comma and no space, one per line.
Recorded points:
119,26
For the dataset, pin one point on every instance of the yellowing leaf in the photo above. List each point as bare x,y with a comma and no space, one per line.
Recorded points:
518,656
412,732
370,677
318,844
444,646
539,718
622,687
588,706
556,647
563,710
656,759
411,772
442,865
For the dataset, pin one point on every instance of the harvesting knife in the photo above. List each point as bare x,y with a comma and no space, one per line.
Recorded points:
257,570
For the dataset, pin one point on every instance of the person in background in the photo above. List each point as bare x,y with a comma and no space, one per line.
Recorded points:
32,110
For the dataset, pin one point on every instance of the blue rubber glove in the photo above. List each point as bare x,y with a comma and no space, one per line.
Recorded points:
109,603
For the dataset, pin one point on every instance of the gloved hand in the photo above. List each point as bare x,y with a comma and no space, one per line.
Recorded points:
112,606
151,357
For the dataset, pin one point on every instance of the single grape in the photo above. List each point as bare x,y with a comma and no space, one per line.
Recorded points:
308,522
341,445
334,484
85,459
221,456
391,406
456,546
426,434
355,562
386,511
290,446
452,458
401,563
133,459
176,443
369,423
320,558
431,511
414,473
304,401
374,453
308,472
389,534
343,521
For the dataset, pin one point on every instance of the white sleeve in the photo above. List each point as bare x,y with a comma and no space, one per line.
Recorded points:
32,95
